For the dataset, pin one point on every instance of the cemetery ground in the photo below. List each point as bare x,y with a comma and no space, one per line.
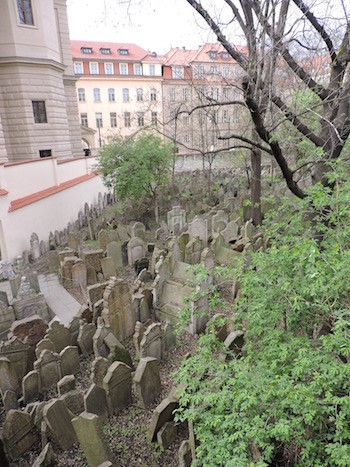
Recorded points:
126,431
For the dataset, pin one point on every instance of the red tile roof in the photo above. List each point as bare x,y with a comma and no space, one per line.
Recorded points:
32,198
178,57
3,192
203,51
135,53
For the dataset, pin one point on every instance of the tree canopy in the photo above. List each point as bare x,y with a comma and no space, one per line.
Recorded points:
136,166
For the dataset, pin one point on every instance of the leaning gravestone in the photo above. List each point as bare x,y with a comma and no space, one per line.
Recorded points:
176,219
147,381
136,250
58,420
30,386
151,343
164,412
49,369
8,377
18,433
89,433
95,401
199,228
70,362
117,384
114,251
59,335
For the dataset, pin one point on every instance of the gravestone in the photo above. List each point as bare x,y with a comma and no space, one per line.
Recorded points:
136,250
66,269
137,337
176,219
99,368
147,381
219,221
91,438
198,228
193,251
108,267
166,435
85,337
103,239
92,258
18,353
114,251
59,335
79,274
151,343
230,232
58,420
49,369
46,458
8,377
70,362
168,337
66,384
18,433
35,246
7,317
163,413
138,230
117,384
118,310
30,386
31,329
73,241
185,454
74,401
95,401
10,401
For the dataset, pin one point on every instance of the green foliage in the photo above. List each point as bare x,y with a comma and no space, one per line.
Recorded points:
136,166
286,399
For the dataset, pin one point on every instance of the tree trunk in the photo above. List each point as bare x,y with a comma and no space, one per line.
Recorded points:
256,183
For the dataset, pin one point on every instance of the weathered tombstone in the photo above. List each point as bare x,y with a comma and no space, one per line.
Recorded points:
99,368
30,386
46,458
230,233
18,354
66,266
193,251
7,317
136,250
219,326
70,362
123,233
176,219
85,337
114,251
66,384
118,310
95,293
91,276
234,342
35,246
151,343
147,381
117,384
166,435
79,274
168,337
92,258
219,221
95,401
18,433
164,412
73,328
198,228
185,454
49,369
73,241
108,267
89,433
137,337
58,420
74,401
10,401
59,335
8,377
103,239
31,329
138,230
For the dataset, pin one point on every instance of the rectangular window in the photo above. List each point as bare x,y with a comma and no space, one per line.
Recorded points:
140,119
111,95
105,51
185,94
123,68
225,116
187,138
109,68
113,117
226,72
127,120
172,94
25,12
78,68
139,94
215,93
226,93
201,71
152,70
154,118
97,94
153,94
186,119
86,50
39,111
45,152
99,122
125,95
213,70
178,72
93,68
123,51
84,119
81,94
137,69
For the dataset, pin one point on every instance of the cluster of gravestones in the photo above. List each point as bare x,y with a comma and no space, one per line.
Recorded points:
114,312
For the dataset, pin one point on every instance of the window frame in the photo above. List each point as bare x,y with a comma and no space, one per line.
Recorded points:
140,119
113,119
139,95
99,118
111,94
126,94
178,72
39,114
81,95
25,20
84,119
127,119
153,94
109,65
152,70
76,65
154,118
92,67
123,66
96,92
137,66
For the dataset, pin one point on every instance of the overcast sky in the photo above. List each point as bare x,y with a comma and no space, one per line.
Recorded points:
156,25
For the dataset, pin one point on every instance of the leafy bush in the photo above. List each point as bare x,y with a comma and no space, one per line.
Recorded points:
286,400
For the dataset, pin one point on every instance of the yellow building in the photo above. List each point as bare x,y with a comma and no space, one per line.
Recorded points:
119,89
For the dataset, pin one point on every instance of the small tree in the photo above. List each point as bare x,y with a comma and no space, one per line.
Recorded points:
137,166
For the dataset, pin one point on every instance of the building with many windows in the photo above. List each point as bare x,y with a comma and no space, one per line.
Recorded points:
38,107
119,90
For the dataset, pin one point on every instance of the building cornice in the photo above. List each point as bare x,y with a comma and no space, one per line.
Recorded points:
29,61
